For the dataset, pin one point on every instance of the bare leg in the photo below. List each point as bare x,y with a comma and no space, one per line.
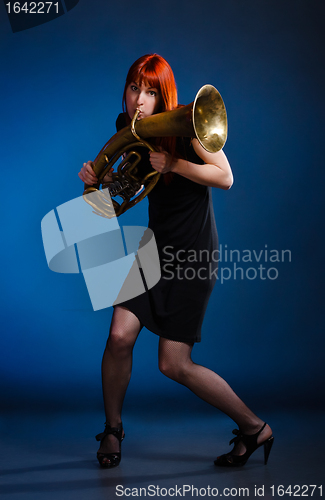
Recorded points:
176,363
116,369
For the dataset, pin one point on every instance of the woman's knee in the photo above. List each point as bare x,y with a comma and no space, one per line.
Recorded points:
175,359
119,342
123,333
172,368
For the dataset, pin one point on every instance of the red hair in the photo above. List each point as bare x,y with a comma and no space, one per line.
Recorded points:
154,71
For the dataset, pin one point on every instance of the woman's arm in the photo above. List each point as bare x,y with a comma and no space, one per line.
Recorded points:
216,172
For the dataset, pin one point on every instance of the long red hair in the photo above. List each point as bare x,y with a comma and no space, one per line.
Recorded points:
154,71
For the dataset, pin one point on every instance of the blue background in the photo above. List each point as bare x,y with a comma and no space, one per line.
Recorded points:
61,90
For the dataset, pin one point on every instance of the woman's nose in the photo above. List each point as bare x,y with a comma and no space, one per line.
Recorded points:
140,99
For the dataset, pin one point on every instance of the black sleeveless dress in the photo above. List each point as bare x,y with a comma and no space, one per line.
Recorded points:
182,220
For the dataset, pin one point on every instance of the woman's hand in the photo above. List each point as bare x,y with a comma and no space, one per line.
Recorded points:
87,174
161,161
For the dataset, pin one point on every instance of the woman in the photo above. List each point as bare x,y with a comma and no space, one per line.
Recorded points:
181,217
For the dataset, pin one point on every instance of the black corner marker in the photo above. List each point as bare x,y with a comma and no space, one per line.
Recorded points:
70,4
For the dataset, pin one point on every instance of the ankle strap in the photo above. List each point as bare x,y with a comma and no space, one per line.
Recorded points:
240,436
116,431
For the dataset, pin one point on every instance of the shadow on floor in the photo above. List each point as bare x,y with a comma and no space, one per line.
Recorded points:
53,456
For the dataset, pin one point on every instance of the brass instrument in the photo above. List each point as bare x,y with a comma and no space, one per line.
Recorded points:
205,118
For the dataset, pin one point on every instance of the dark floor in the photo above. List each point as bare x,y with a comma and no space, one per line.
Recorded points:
53,456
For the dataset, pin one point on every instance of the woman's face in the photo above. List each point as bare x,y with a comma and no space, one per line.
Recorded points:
143,97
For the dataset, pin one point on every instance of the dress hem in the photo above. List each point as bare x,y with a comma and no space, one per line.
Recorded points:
164,336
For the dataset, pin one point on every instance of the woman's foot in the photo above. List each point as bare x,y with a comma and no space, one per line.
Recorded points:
109,453
245,444
240,448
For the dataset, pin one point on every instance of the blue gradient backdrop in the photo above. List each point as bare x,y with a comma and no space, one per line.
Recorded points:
61,89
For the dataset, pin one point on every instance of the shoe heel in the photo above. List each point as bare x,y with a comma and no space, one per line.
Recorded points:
267,448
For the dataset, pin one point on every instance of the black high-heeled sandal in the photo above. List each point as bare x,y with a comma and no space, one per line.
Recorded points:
109,460
250,442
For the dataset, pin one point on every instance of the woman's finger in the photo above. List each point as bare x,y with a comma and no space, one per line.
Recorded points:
160,161
87,173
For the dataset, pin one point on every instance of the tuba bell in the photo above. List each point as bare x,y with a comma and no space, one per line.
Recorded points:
204,119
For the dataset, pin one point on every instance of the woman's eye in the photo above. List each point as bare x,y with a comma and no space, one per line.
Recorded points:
134,88
153,93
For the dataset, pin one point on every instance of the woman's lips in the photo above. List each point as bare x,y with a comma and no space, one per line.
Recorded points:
140,115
